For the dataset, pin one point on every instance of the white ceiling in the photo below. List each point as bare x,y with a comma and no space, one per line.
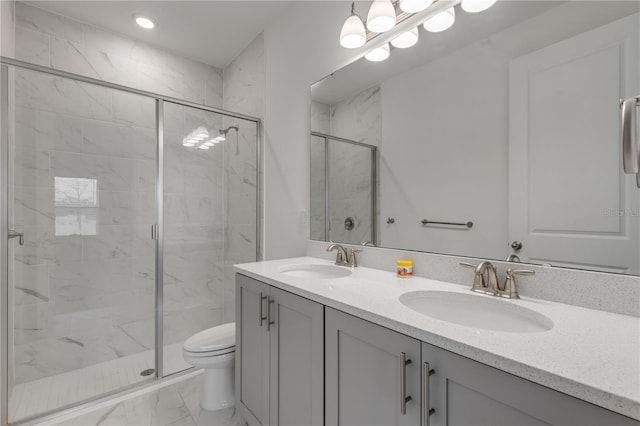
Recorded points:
213,32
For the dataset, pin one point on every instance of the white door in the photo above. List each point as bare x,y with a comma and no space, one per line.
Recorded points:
569,202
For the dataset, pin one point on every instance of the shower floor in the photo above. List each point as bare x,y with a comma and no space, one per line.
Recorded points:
53,392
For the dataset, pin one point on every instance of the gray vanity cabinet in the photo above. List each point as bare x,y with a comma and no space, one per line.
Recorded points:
280,356
465,392
366,382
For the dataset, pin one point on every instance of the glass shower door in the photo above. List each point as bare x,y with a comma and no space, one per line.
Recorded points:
82,191
209,220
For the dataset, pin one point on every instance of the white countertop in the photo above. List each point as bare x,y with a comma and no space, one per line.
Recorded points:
589,354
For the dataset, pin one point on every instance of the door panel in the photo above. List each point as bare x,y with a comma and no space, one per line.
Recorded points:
297,361
564,103
252,343
363,373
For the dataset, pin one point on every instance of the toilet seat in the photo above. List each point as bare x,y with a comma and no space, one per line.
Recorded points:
214,341
211,354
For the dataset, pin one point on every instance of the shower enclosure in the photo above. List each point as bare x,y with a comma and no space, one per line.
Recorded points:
122,213
343,202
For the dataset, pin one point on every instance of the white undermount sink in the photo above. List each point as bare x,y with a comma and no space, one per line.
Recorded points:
314,270
476,311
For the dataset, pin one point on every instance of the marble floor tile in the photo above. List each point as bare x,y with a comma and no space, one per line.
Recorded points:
50,393
175,404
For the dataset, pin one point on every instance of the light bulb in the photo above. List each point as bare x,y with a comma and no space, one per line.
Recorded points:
353,34
414,6
473,6
441,21
381,17
406,39
144,22
378,54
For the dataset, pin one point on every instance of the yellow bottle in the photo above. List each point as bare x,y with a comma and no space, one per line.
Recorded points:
404,268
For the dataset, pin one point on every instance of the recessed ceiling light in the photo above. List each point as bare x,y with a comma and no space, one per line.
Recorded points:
144,22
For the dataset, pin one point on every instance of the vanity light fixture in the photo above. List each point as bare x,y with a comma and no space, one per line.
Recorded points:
378,54
406,39
381,17
414,6
473,6
440,22
144,22
353,33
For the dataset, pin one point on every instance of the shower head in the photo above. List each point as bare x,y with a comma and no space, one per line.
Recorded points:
223,133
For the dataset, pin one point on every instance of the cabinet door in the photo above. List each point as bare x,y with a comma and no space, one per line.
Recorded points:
297,360
252,350
466,392
364,376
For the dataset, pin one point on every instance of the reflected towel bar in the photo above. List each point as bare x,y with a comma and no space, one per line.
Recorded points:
433,222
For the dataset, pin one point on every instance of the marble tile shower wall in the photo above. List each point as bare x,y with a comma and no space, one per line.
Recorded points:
58,42
356,118
244,91
85,299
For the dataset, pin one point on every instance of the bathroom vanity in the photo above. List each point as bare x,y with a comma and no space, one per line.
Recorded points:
322,344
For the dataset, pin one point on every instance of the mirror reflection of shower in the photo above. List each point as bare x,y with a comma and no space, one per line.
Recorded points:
202,138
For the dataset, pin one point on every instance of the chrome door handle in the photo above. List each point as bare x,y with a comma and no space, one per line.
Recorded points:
261,316
426,411
403,383
16,234
269,322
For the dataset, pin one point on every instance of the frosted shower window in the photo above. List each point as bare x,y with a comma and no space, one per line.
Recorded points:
76,206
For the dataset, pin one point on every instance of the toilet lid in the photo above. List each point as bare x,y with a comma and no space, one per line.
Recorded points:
212,339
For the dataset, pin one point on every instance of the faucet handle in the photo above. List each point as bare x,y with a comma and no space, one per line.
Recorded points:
353,262
509,290
513,272
468,265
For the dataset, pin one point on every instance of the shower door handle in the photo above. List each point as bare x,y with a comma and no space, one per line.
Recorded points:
15,234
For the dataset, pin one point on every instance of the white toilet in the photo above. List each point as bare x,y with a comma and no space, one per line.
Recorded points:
214,350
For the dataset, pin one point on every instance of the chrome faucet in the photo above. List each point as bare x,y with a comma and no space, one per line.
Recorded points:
344,257
486,280
486,277
512,258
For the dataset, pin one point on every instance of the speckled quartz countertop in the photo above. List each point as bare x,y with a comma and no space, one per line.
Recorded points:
589,354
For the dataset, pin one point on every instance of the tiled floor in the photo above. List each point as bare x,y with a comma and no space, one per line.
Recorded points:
50,393
174,404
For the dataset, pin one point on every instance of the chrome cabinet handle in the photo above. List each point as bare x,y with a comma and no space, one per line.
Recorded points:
269,322
629,135
403,383
426,411
16,234
261,316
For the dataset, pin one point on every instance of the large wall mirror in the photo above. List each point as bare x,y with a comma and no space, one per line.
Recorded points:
499,136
